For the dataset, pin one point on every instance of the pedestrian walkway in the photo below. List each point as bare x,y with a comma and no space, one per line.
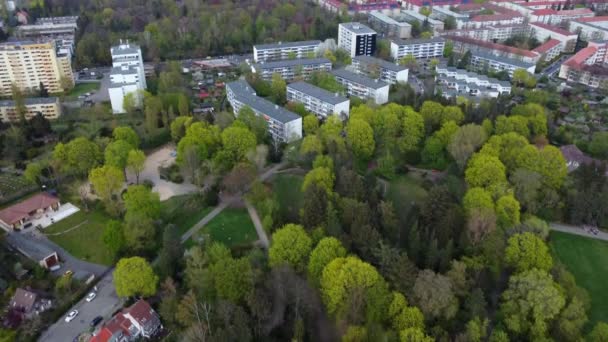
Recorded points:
576,230
255,218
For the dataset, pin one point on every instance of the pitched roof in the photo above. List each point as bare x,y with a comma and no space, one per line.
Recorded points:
317,92
548,45
581,56
21,210
545,11
141,312
23,299
553,29
494,46
592,19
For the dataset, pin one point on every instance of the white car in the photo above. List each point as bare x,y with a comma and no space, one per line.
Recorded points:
71,315
91,296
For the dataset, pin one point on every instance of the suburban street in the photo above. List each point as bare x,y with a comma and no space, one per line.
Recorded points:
554,67
105,304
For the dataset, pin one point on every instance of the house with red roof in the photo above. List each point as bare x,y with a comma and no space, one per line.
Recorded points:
588,66
549,49
139,321
589,29
543,32
19,214
463,44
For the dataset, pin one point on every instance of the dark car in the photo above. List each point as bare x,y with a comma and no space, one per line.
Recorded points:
96,321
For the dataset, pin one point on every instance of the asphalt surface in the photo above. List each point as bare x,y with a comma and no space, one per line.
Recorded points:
554,67
105,304
560,227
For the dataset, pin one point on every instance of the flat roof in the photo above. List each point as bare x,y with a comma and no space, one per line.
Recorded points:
286,44
385,18
292,62
357,28
30,101
247,96
124,71
505,60
316,92
124,49
399,41
381,62
359,79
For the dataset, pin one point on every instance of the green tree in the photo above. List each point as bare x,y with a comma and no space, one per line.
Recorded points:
360,137
127,134
322,177
179,127
278,87
134,277
465,142
477,198
255,123
507,211
128,103
310,124
432,112
531,301
598,147
32,172
434,295
311,145
403,316
522,77
487,172
452,113
526,251
238,141
141,201
291,245
136,160
117,153
514,123
107,182
232,278
414,335
327,249
113,237
571,321
413,131
78,156
599,333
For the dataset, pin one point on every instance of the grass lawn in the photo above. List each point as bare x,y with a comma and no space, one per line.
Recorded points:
586,259
82,88
232,227
183,211
84,242
289,196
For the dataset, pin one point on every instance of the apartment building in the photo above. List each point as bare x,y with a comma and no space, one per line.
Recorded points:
288,50
554,17
27,64
590,29
127,76
357,39
464,44
135,323
542,32
414,15
588,66
60,29
486,61
549,50
388,27
459,82
49,107
291,68
489,33
362,87
419,48
283,125
318,101
388,72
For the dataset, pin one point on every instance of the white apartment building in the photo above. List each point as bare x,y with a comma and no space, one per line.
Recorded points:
414,15
388,72
357,39
590,29
60,29
280,51
27,64
389,27
482,60
49,107
489,33
362,87
589,66
127,76
419,48
318,101
283,125
459,82
291,68
542,32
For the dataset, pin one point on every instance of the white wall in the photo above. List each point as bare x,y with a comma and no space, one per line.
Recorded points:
293,130
381,95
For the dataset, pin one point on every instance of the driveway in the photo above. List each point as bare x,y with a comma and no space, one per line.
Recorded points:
102,95
163,157
105,304
36,246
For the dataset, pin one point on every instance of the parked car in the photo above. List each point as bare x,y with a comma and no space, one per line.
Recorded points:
71,315
96,321
91,296
68,273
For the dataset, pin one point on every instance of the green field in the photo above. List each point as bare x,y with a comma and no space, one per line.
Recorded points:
82,88
84,242
183,211
289,196
232,227
587,260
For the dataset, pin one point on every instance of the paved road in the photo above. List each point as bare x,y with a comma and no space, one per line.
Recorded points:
554,67
37,246
560,227
258,225
101,95
105,304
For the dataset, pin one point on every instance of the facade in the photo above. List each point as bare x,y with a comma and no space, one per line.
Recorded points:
27,64
60,29
127,76
554,17
280,51
414,15
283,125
590,29
27,304
19,214
137,322
464,44
542,32
388,72
454,82
588,66
357,39
292,68
362,87
475,16
318,101
486,61
489,33
549,49
419,48
49,107
389,27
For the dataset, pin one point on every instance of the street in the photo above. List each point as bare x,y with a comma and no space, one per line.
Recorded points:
105,304
554,67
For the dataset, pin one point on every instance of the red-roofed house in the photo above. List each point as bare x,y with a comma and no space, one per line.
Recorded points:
589,29
542,32
15,216
587,66
137,321
462,44
549,50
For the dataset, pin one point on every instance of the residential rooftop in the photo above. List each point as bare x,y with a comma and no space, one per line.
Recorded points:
292,62
402,42
553,28
358,28
247,96
30,101
380,62
494,46
385,18
359,79
548,45
124,49
506,60
316,92
271,46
